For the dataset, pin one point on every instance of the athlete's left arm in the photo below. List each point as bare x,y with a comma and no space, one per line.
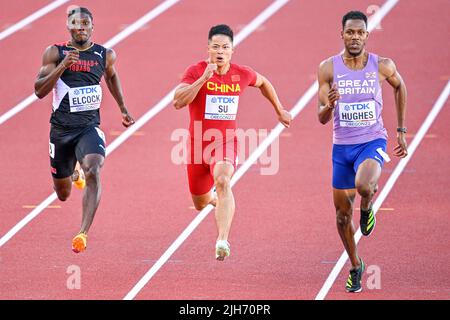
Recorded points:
269,92
388,71
113,83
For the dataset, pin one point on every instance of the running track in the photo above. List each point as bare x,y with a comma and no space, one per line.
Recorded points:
284,239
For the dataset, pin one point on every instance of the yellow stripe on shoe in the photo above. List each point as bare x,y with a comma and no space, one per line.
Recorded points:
349,282
370,225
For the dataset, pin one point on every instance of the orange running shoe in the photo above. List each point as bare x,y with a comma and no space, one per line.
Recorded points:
79,243
78,178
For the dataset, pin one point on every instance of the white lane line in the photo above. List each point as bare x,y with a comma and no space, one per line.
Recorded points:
389,185
163,103
119,140
33,214
374,21
268,12
149,16
32,17
19,107
302,102
299,106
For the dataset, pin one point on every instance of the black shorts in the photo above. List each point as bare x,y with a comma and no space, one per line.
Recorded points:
69,145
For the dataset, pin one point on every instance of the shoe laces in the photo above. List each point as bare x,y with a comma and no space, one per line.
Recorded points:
355,275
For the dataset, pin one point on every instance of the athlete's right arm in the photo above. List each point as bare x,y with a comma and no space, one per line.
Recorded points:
185,93
328,95
50,71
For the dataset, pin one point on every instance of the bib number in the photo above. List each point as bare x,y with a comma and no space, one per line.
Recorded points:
360,114
85,98
221,107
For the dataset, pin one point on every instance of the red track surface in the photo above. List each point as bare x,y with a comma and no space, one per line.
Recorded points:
284,240
22,8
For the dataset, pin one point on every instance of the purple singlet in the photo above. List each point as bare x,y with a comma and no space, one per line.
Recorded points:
357,116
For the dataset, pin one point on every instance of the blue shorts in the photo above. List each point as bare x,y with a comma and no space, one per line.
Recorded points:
348,157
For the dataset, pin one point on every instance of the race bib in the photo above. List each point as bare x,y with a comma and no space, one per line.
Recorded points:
85,98
359,114
221,107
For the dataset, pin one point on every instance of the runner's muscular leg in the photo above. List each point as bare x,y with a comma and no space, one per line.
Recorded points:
223,171
201,201
62,187
343,202
91,165
366,181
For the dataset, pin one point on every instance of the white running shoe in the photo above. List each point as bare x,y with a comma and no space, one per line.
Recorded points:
222,249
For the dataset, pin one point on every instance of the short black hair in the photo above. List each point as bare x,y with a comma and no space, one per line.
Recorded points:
354,15
80,10
221,29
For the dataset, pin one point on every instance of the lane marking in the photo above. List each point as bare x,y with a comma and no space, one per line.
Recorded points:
149,16
244,33
389,185
31,206
427,136
163,103
300,105
380,209
116,133
33,214
31,18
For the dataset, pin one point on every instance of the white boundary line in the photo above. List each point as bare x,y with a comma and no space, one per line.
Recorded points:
302,102
32,17
163,103
299,106
124,136
149,16
389,185
252,26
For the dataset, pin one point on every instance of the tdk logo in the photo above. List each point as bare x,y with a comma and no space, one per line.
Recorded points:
222,100
85,90
357,106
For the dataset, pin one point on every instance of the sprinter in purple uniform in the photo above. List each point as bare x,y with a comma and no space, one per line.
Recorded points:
350,94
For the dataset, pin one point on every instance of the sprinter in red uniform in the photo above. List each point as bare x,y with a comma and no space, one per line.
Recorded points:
211,89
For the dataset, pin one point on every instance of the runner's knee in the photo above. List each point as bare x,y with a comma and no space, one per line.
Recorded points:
63,194
92,173
365,190
200,202
343,217
222,182
200,205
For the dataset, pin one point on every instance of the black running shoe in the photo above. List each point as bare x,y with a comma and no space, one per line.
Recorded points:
367,221
354,279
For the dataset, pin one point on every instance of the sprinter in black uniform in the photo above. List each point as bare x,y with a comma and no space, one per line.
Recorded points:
73,70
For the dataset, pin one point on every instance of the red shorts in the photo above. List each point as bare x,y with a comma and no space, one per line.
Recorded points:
203,158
